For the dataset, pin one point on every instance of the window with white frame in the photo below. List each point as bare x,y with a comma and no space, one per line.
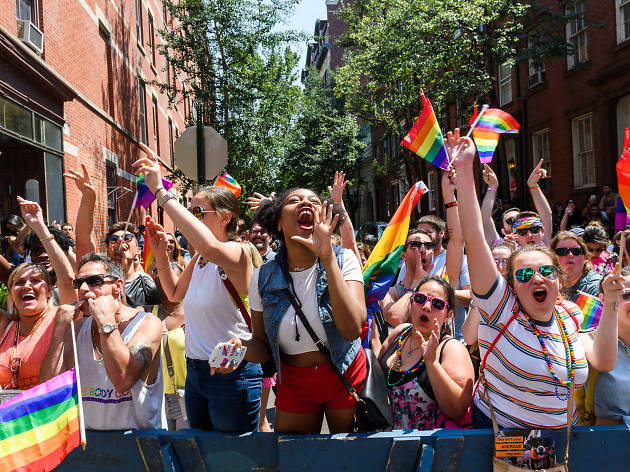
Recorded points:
432,186
623,20
536,70
505,84
576,33
540,149
583,155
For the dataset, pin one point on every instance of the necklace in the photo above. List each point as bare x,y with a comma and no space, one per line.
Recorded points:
293,268
568,348
402,339
625,346
14,360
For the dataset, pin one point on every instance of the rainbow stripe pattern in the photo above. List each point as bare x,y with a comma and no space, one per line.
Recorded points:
227,181
592,308
144,196
623,172
425,138
486,134
39,427
382,265
147,253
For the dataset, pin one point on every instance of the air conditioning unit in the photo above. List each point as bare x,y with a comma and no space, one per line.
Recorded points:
29,34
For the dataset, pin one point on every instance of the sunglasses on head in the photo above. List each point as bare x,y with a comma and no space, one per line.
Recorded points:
112,238
525,274
510,221
92,280
419,244
564,251
198,212
500,262
420,298
531,229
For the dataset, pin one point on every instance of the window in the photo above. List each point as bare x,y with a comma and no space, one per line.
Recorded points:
165,14
432,186
112,192
623,121
152,39
54,188
540,149
505,84
536,71
108,86
156,127
139,20
143,112
583,156
395,196
170,141
623,20
168,71
27,10
576,33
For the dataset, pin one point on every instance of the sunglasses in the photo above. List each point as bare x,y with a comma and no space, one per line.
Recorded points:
437,303
525,274
198,212
500,262
510,221
564,251
112,238
596,250
92,280
419,244
531,229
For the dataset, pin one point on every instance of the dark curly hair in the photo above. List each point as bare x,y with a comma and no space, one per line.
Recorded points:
61,238
269,212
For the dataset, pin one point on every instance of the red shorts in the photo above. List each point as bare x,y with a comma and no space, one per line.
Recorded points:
309,389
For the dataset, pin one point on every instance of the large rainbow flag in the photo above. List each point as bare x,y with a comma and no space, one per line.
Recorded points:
144,197
39,427
592,308
486,134
382,265
623,172
425,138
227,181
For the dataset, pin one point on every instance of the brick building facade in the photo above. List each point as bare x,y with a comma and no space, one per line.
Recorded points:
77,90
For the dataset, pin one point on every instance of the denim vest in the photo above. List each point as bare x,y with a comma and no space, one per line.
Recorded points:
273,289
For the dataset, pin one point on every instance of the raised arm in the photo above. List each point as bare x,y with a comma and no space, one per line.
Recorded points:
59,357
32,214
346,230
84,226
540,201
455,248
489,228
483,272
564,223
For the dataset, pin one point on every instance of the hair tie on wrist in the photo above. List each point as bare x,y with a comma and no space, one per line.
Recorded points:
451,204
493,189
47,238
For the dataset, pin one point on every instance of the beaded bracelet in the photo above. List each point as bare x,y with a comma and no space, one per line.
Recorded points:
451,204
534,188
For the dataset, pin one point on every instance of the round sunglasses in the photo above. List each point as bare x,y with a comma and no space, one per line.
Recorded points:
564,251
525,274
92,280
420,298
199,212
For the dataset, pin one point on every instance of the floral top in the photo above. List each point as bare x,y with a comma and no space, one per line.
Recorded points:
605,263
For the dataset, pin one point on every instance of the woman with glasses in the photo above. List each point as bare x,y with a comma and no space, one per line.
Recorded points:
26,334
429,379
597,242
530,349
574,259
221,400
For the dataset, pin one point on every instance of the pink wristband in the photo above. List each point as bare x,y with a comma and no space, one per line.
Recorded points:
493,189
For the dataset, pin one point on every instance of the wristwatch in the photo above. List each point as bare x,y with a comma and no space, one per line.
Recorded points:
108,328
165,198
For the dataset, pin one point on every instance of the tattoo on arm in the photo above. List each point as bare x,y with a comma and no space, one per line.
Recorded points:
142,354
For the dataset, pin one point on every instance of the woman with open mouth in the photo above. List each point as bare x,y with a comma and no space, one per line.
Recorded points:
324,284
532,354
574,258
26,332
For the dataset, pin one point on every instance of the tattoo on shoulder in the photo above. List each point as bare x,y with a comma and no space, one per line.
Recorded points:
142,354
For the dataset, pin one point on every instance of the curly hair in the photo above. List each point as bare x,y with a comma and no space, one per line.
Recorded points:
61,238
270,211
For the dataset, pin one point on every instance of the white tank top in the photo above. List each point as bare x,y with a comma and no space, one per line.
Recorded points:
211,316
104,408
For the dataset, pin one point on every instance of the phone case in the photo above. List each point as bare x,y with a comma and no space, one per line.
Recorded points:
224,353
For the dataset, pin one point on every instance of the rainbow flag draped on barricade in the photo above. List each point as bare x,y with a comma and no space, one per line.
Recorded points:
229,182
425,138
592,308
382,265
486,133
39,427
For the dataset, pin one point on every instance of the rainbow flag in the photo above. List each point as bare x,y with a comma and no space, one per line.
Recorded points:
227,181
425,138
382,265
623,172
144,197
39,427
592,308
486,134
147,253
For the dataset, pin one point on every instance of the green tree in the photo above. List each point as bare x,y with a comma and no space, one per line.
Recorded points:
324,138
241,71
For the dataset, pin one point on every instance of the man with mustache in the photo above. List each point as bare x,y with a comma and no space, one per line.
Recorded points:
261,239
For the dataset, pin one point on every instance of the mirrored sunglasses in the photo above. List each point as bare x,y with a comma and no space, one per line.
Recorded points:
199,212
525,274
428,245
112,238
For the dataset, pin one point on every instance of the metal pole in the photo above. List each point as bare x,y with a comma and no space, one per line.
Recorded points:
201,147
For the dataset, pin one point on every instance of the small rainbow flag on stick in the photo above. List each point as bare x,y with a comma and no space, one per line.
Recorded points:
144,197
592,308
39,427
486,133
227,181
425,138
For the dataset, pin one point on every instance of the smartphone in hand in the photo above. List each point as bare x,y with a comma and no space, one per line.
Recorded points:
224,353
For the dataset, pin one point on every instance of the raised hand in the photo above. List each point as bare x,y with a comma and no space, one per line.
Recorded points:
466,154
320,243
156,236
429,346
258,198
336,191
613,288
32,214
570,208
449,184
82,181
150,168
489,177
537,174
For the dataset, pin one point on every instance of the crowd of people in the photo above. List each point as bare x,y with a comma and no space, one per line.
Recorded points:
484,295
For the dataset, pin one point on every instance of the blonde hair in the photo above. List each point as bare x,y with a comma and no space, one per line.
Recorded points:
13,314
254,254
223,201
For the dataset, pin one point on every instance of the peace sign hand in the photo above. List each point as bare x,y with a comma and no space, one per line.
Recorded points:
82,181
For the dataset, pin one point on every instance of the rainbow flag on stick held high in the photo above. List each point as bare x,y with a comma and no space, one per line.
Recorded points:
39,427
144,197
486,133
425,138
227,181
382,265
592,308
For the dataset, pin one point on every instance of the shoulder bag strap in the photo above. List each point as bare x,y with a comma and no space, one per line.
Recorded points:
236,298
167,356
6,331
